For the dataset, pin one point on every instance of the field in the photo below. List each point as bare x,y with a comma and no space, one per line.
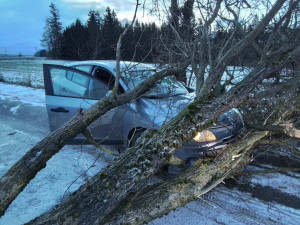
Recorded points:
26,72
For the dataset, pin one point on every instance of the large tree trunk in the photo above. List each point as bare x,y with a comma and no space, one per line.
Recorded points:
99,199
163,195
158,199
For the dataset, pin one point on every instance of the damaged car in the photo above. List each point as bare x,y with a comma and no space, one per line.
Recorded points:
82,84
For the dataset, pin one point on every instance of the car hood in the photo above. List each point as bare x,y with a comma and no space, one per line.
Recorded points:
160,110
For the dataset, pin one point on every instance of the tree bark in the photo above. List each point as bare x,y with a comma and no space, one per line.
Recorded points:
157,200
95,201
14,181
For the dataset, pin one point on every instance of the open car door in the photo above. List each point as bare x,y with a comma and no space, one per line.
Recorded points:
67,90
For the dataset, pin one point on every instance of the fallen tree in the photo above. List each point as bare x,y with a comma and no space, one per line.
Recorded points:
162,196
125,179
14,181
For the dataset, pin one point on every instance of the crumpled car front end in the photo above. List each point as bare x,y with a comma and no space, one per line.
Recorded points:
210,142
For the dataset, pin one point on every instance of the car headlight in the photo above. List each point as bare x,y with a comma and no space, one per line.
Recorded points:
205,136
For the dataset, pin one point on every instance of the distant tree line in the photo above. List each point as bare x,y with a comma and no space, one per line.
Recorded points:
97,38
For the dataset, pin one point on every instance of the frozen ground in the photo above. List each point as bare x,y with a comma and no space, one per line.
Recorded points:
25,72
260,199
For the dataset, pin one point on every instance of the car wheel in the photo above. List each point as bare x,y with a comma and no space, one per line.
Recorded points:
135,137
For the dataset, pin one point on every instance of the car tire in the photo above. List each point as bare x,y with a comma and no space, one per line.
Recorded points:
135,137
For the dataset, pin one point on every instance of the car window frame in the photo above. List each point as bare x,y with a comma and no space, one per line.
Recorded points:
48,85
85,65
121,89
70,77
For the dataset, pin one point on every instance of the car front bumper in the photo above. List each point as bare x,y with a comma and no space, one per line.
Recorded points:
225,134
194,150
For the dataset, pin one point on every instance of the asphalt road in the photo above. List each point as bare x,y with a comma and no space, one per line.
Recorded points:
21,126
23,117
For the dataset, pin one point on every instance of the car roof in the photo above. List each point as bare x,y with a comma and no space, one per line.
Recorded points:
111,64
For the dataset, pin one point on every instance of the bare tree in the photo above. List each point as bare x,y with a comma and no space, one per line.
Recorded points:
124,192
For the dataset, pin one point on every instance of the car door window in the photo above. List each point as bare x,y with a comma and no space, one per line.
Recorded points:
97,89
107,78
67,82
104,76
77,78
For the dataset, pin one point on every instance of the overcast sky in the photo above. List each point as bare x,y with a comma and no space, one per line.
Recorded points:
22,21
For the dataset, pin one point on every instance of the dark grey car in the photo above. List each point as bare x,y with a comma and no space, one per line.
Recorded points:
82,84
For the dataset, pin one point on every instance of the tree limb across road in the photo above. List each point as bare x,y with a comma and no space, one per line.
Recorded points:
14,181
98,200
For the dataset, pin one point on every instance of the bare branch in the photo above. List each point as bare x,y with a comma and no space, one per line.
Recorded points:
118,52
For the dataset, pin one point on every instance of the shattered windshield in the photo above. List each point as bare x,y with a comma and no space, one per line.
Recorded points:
166,87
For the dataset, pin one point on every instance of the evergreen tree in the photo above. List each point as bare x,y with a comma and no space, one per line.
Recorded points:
111,31
94,38
139,43
137,39
74,44
150,38
97,39
52,35
128,45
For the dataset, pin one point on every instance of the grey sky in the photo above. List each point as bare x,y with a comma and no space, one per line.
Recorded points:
22,21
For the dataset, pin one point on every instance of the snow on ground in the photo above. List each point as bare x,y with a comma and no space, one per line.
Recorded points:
74,165
25,72
286,182
14,110
23,94
65,173
224,206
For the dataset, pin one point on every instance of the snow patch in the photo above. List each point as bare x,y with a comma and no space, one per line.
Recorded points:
65,172
24,94
230,207
14,110
284,183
